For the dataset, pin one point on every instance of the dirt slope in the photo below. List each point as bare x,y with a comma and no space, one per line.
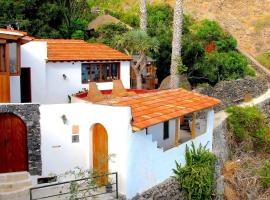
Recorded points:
247,20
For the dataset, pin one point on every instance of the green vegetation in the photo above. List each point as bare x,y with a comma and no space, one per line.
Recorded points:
196,178
249,126
107,32
48,19
264,173
264,59
210,54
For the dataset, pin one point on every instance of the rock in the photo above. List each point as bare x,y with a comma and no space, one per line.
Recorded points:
235,91
166,83
169,189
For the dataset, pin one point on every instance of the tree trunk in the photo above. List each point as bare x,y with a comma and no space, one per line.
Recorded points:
176,42
143,27
138,81
143,15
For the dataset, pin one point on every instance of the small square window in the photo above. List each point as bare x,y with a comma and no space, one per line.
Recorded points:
75,139
75,130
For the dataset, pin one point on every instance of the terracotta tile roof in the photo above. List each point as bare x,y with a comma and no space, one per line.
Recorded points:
79,50
156,107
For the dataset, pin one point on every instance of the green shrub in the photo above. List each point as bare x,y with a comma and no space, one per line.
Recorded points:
222,66
228,43
249,124
196,178
264,173
207,30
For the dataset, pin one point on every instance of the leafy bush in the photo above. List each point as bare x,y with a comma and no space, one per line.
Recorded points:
249,124
217,66
207,30
196,178
107,31
264,173
226,44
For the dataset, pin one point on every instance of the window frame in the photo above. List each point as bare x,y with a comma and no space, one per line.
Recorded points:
166,130
100,66
6,71
18,61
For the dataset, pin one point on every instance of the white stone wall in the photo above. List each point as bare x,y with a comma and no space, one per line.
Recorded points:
58,152
157,134
149,165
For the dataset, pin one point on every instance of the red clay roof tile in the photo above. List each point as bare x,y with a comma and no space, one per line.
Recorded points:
156,107
79,50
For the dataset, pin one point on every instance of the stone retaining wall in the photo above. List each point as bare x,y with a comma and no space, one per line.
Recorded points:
169,189
29,113
234,92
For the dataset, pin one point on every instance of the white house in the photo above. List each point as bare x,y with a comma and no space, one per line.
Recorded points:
142,131
53,69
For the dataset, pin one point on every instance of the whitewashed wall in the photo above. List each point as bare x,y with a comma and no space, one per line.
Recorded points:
59,88
157,134
47,82
15,89
58,152
34,55
149,165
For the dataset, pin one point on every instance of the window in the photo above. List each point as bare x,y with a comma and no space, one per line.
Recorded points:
14,62
100,72
75,134
2,58
165,130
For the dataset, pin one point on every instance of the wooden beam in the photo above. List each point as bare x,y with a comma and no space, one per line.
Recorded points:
193,126
9,37
2,41
176,139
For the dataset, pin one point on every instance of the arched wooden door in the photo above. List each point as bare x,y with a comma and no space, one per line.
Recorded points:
13,144
100,151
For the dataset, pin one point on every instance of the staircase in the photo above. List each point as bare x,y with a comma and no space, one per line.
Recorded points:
15,186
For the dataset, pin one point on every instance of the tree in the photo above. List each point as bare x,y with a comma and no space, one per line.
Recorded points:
136,42
143,27
176,42
143,15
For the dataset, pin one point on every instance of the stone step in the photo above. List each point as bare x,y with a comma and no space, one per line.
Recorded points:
22,194
14,185
13,176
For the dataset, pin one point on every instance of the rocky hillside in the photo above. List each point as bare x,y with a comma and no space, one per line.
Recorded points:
246,20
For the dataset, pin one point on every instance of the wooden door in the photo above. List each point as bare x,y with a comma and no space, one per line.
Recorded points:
13,144
100,152
26,85
4,75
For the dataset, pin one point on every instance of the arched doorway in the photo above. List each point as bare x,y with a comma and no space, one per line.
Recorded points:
100,151
13,144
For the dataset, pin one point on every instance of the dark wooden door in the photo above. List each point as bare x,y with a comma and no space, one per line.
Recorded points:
100,152
13,144
26,85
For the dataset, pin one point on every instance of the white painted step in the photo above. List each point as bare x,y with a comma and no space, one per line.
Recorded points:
14,176
14,185
22,194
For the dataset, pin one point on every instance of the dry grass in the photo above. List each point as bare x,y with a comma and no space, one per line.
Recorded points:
246,181
241,173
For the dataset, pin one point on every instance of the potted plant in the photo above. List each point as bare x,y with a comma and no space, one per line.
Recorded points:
109,186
